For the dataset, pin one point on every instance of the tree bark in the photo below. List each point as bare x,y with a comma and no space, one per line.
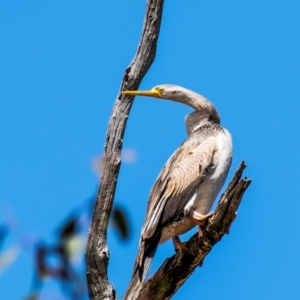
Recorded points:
97,254
176,270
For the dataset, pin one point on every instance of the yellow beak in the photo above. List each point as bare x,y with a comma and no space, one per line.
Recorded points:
151,93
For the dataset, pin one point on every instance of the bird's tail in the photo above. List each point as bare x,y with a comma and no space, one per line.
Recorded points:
137,280
140,270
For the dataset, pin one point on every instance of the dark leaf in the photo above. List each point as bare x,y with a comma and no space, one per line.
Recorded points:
3,233
69,228
120,222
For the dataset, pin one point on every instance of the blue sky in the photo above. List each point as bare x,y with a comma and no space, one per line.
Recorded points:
61,63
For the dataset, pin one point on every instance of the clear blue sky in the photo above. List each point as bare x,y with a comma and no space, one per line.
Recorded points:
61,63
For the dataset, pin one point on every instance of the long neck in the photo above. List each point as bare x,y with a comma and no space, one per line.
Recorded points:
194,121
205,110
201,104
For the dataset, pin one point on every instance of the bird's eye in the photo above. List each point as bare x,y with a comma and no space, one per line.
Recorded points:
161,90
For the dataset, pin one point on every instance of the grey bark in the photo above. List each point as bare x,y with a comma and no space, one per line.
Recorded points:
97,254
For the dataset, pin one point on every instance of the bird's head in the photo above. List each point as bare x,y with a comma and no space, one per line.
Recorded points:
205,111
163,91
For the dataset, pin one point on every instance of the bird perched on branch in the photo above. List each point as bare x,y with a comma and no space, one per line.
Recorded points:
188,184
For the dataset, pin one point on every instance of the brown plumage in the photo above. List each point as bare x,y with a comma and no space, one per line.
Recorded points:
189,182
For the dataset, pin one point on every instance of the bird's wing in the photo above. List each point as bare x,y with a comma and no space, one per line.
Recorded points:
177,182
173,188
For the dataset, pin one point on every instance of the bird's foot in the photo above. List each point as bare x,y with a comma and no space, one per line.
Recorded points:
178,244
200,220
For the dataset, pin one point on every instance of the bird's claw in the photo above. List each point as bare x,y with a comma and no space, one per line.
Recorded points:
199,220
178,244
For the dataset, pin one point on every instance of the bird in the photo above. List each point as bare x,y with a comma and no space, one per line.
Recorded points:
189,182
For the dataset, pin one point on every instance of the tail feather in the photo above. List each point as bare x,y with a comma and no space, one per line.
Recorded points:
140,270
137,280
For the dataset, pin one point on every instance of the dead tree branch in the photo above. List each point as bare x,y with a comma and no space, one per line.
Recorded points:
176,270
97,254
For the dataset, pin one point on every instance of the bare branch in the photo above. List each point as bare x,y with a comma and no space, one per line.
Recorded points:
176,269
97,254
